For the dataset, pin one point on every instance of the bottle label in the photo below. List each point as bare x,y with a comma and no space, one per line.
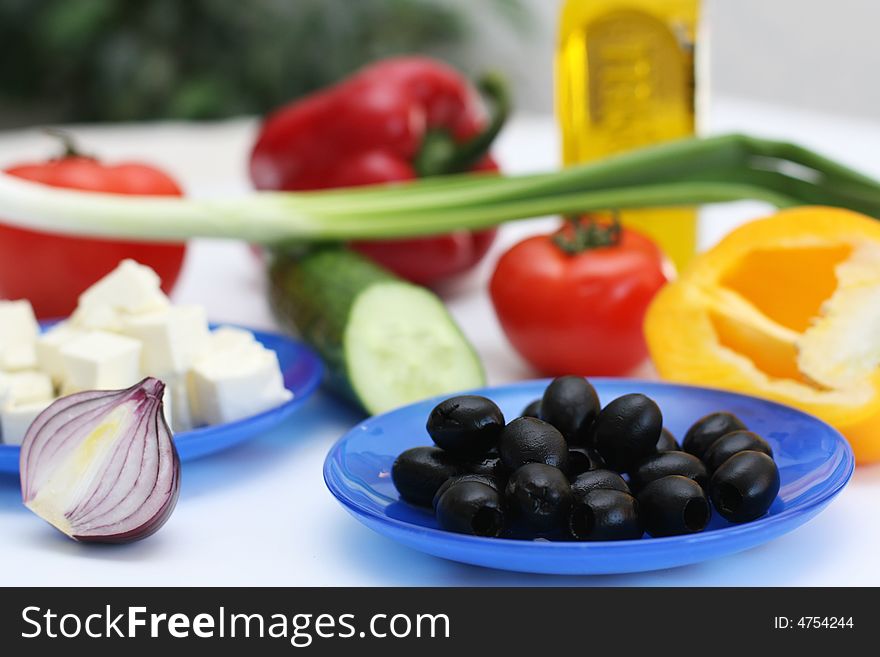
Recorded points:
640,83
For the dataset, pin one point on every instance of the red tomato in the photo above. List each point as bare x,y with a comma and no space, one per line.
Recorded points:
578,313
52,270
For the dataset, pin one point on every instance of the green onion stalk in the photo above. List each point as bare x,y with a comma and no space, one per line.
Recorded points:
681,173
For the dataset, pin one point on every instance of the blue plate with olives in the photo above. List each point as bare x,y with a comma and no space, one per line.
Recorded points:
598,477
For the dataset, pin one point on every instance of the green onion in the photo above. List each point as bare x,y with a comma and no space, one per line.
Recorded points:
681,173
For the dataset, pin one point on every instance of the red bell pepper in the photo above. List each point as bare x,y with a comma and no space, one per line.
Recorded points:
398,119
52,270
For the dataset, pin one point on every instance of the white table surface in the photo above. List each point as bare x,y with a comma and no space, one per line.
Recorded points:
260,514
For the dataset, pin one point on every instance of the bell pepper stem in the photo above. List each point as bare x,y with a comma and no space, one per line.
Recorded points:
440,154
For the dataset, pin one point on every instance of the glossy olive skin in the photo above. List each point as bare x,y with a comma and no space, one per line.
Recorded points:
539,497
604,515
471,507
488,465
733,443
664,464
418,472
570,404
489,480
667,442
709,428
466,426
673,505
627,430
532,410
583,459
599,479
529,440
744,487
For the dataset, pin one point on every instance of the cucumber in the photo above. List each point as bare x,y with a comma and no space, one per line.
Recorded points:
385,342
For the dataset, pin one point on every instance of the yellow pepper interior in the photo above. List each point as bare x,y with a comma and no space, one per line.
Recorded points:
787,308
787,284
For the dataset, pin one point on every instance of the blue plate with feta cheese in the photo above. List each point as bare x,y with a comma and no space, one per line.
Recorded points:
301,370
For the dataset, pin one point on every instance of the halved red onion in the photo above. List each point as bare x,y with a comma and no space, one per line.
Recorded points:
101,466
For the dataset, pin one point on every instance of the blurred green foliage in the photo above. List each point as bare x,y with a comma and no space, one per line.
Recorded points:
116,60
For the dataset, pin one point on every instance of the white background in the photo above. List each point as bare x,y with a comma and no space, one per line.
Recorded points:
260,514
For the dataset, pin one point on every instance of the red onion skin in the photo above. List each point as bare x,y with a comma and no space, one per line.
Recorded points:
65,404
64,414
150,527
155,523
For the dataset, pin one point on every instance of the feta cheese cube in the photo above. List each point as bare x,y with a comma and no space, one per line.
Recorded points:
229,385
100,361
227,338
49,346
15,419
96,318
178,413
171,338
168,407
19,357
130,288
18,335
25,387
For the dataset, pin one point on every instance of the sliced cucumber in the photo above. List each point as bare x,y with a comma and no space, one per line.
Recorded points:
401,345
385,342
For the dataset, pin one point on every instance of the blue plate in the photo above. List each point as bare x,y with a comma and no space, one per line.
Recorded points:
815,462
302,371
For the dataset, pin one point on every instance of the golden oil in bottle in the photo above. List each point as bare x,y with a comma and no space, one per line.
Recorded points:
625,79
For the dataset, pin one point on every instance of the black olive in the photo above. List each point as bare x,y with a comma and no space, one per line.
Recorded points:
583,459
529,440
570,404
488,465
471,507
594,479
418,472
744,486
673,505
707,430
604,515
489,480
539,496
627,430
732,443
663,464
532,410
667,442
467,425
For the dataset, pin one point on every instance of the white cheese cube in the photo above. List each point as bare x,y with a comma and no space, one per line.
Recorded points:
177,407
230,385
19,357
168,407
226,338
96,318
100,361
130,288
171,338
15,419
25,387
49,346
18,335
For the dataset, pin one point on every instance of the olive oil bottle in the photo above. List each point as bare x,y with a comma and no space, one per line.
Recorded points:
624,79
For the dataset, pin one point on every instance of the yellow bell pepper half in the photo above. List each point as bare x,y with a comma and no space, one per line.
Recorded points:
786,308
